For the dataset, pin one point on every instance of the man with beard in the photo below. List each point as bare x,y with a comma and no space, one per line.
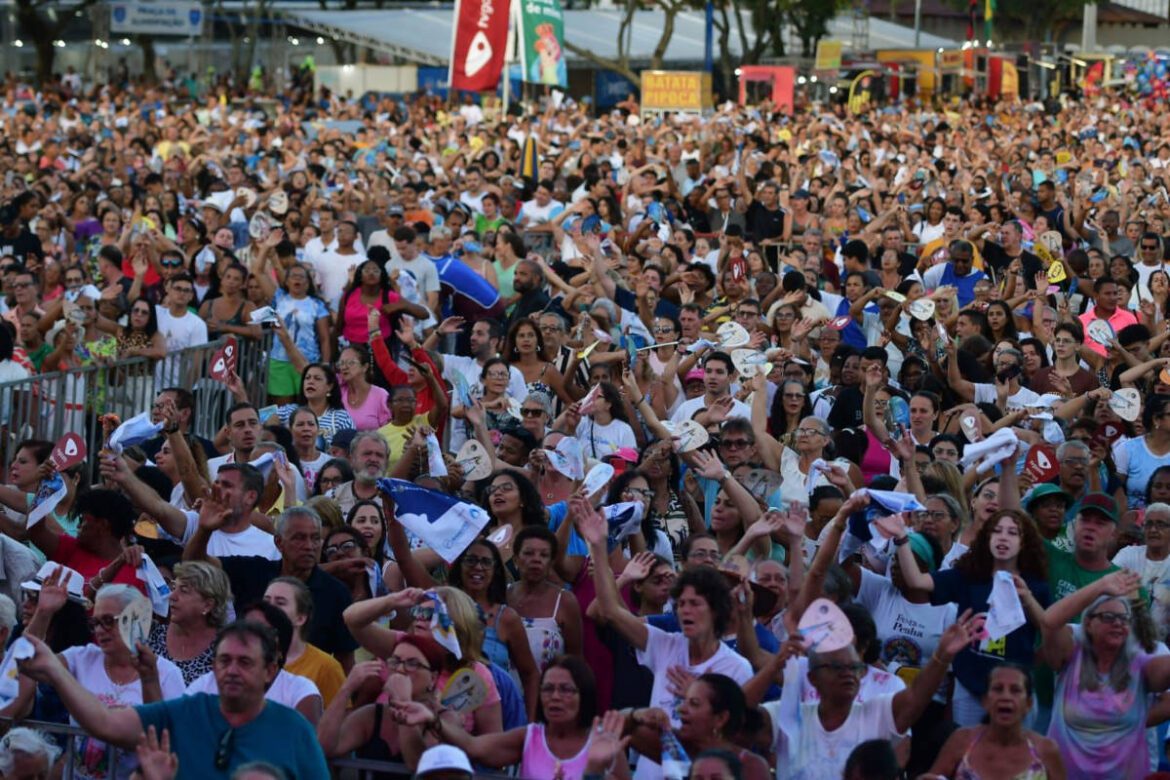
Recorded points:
298,538
528,282
239,485
369,455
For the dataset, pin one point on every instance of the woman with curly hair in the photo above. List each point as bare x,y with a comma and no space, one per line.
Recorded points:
1007,542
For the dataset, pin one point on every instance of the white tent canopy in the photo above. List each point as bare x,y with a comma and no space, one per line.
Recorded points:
423,36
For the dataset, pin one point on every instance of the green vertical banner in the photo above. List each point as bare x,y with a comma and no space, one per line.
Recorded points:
542,42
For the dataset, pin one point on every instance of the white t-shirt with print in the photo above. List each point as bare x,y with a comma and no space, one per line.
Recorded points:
599,441
806,751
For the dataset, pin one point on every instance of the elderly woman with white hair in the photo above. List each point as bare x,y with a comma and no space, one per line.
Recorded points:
1104,678
26,754
1151,562
118,675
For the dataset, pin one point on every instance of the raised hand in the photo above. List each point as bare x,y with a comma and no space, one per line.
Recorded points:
708,465
590,523
214,511
407,597
54,593
606,744
155,759
959,634
145,662
678,679
450,325
360,674
639,567
1121,583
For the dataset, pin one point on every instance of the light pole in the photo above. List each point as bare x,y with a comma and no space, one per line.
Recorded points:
709,37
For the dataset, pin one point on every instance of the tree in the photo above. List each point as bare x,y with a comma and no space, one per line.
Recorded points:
810,18
759,32
42,22
621,63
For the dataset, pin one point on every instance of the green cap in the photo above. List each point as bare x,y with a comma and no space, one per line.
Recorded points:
1044,490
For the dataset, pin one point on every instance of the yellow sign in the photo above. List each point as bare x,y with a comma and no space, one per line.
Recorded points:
675,90
859,91
1056,273
828,55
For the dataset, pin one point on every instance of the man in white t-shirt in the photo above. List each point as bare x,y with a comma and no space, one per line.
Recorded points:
239,487
813,739
718,373
1151,561
410,258
536,214
181,328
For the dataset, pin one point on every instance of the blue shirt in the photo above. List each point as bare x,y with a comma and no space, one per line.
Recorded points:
556,515
279,735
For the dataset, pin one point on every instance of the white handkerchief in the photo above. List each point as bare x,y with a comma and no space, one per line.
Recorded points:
1005,614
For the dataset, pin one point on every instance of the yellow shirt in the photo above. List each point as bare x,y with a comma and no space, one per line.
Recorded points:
322,668
395,436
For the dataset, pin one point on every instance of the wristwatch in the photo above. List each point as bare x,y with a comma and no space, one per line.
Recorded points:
726,476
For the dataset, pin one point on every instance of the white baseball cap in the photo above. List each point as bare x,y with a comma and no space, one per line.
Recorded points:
442,758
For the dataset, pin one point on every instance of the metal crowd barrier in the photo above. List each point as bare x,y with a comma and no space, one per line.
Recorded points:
47,406
347,768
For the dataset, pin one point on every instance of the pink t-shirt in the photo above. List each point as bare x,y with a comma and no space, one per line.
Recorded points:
354,328
372,414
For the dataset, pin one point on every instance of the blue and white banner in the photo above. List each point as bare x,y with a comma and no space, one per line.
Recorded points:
444,523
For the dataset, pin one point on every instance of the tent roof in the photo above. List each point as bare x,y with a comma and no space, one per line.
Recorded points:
423,35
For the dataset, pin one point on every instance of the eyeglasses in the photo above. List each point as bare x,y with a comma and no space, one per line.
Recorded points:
1149,248
344,547
531,412
851,668
223,753
736,444
22,285
703,555
809,432
506,487
475,561
106,621
1159,525
937,514
497,376
553,690
346,363
331,481
550,329
422,613
640,492
171,263
659,329
1112,618
663,579
794,396
394,664
1076,460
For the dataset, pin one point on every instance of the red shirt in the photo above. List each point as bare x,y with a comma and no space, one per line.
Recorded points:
73,555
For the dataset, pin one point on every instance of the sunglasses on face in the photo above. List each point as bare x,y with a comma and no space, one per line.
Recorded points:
344,547
422,613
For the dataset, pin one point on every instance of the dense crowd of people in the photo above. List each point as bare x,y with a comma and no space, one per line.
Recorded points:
576,423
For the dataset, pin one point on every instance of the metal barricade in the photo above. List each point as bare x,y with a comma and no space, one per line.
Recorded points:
64,735
342,767
47,406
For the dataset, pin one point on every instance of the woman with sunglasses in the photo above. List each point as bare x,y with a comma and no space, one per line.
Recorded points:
371,290
409,673
557,745
364,620
479,572
789,406
107,668
1104,679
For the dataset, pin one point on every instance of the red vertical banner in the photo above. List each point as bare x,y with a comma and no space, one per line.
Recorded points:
478,44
